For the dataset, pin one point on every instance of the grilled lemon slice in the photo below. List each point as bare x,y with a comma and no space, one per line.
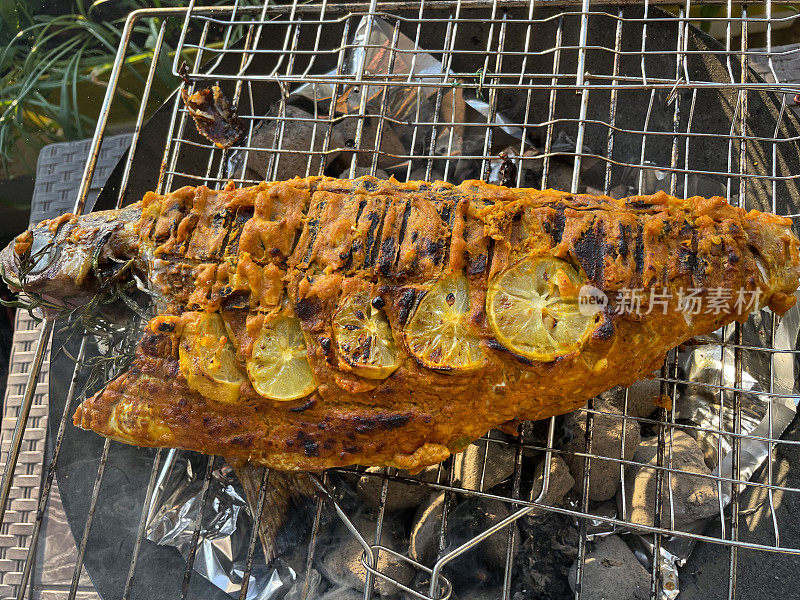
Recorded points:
364,337
278,366
438,334
208,359
532,309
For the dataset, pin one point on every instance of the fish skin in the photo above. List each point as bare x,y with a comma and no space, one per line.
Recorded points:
239,251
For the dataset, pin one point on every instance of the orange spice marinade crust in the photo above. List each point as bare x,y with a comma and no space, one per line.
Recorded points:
240,251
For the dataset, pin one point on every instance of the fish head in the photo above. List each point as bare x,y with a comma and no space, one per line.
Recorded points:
62,259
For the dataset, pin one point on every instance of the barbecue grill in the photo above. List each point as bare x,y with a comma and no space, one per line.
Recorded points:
614,99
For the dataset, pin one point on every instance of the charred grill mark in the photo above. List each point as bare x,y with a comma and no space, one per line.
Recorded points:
356,245
395,256
313,225
372,248
385,421
377,219
448,215
242,216
624,234
227,219
313,230
638,249
406,304
387,254
590,249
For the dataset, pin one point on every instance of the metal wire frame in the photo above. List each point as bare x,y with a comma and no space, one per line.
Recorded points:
413,16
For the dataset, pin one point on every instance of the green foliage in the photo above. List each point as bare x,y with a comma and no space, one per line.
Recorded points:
54,58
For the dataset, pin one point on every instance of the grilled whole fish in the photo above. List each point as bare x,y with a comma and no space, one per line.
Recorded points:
318,322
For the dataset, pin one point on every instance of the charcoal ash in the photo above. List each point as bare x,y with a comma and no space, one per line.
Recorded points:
484,565
548,548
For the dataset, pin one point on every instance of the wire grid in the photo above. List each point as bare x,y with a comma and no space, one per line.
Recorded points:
491,48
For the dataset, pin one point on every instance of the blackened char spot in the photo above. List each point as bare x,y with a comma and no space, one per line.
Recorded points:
477,265
558,224
166,326
589,249
380,421
311,448
406,303
308,308
605,329
325,344
305,406
687,259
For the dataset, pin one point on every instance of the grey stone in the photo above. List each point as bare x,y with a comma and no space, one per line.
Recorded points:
491,461
399,496
475,515
640,398
693,497
611,572
559,176
604,475
341,564
560,482
297,136
424,539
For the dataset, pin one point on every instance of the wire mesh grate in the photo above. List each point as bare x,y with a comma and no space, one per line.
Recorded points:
621,99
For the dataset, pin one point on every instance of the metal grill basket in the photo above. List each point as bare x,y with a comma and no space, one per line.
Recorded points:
606,99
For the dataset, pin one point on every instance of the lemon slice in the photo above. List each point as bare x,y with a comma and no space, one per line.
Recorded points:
533,310
278,367
438,334
207,358
364,337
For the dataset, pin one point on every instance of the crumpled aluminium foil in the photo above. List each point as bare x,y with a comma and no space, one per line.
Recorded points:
226,527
